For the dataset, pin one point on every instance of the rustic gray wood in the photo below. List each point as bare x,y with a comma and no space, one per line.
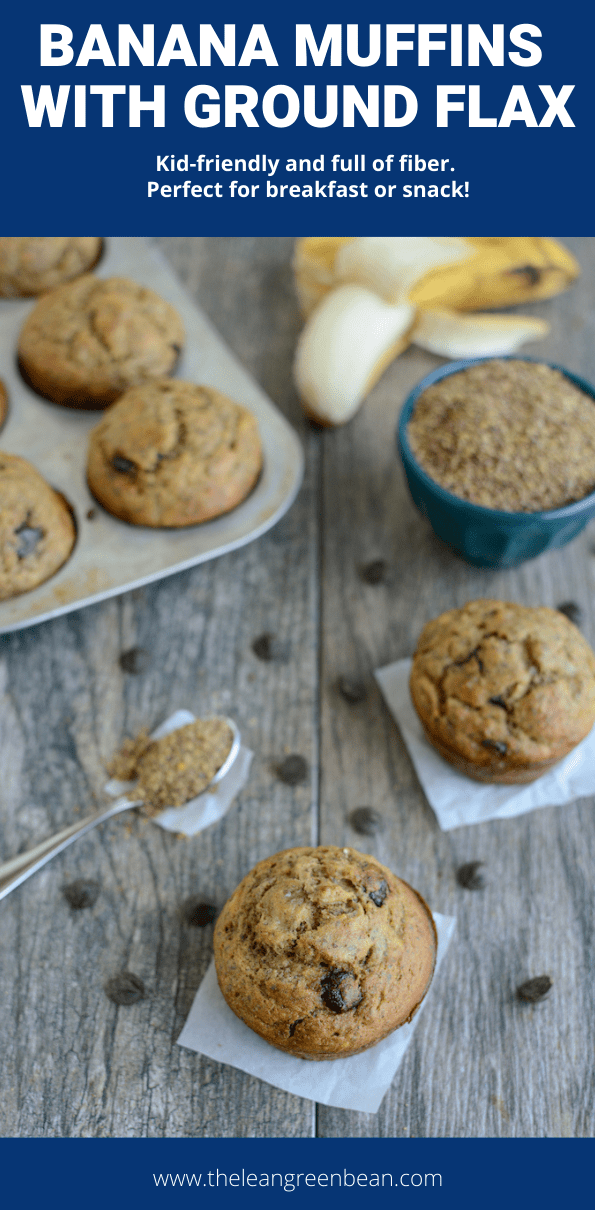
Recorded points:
480,1064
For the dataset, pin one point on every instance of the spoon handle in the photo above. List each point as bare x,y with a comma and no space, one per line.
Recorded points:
14,871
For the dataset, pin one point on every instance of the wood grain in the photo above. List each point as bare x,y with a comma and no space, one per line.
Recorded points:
481,1063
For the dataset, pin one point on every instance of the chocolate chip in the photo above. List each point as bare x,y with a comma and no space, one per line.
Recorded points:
468,876
293,770
82,893
294,1025
378,895
136,660
366,821
340,991
124,465
352,690
499,701
91,514
125,988
572,611
534,989
374,572
262,646
267,647
497,744
197,913
28,539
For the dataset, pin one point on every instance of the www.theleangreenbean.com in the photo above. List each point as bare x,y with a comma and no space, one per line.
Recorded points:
290,1181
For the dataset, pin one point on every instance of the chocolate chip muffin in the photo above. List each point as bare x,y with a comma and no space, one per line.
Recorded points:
323,951
170,453
86,343
503,691
34,264
37,530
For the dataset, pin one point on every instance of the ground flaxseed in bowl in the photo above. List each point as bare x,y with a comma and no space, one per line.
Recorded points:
171,771
516,436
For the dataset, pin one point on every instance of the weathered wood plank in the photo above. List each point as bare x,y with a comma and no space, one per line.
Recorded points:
71,1062
481,1064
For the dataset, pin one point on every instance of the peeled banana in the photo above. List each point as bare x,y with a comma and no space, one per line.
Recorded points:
450,334
350,338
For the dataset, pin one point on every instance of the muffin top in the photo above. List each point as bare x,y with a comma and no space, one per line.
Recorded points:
37,531
511,435
33,264
324,951
504,686
87,342
173,453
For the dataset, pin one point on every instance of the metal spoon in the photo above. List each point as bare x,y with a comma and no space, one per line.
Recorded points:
14,871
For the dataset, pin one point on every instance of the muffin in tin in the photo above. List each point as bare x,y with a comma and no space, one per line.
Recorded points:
323,952
170,453
34,264
87,342
503,691
37,530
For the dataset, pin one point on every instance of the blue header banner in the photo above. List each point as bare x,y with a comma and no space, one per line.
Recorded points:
319,118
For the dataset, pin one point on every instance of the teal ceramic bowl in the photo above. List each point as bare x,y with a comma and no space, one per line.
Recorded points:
489,537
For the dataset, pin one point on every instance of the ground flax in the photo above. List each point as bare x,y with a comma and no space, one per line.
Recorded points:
511,435
172,770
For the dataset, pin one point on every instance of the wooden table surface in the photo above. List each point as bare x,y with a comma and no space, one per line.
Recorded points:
481,1063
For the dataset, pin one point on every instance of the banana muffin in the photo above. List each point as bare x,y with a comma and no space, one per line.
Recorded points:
33,264
170,453
503,691
324,952
37,531
87,342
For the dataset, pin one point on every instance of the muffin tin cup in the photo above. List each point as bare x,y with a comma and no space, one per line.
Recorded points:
487,537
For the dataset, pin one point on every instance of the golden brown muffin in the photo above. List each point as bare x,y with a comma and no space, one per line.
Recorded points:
503,691
37,531
33,264
86,343
324,952
170,453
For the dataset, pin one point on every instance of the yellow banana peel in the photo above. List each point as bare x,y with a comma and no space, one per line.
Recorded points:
503,272
313,267
493,272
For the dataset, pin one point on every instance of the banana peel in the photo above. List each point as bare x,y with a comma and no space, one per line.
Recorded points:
393,265
493,271
503,272
313,267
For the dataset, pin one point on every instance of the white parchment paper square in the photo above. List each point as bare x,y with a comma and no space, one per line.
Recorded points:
208,807
458,800
357,1083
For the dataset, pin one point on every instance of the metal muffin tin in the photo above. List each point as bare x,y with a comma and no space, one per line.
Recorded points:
111,556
